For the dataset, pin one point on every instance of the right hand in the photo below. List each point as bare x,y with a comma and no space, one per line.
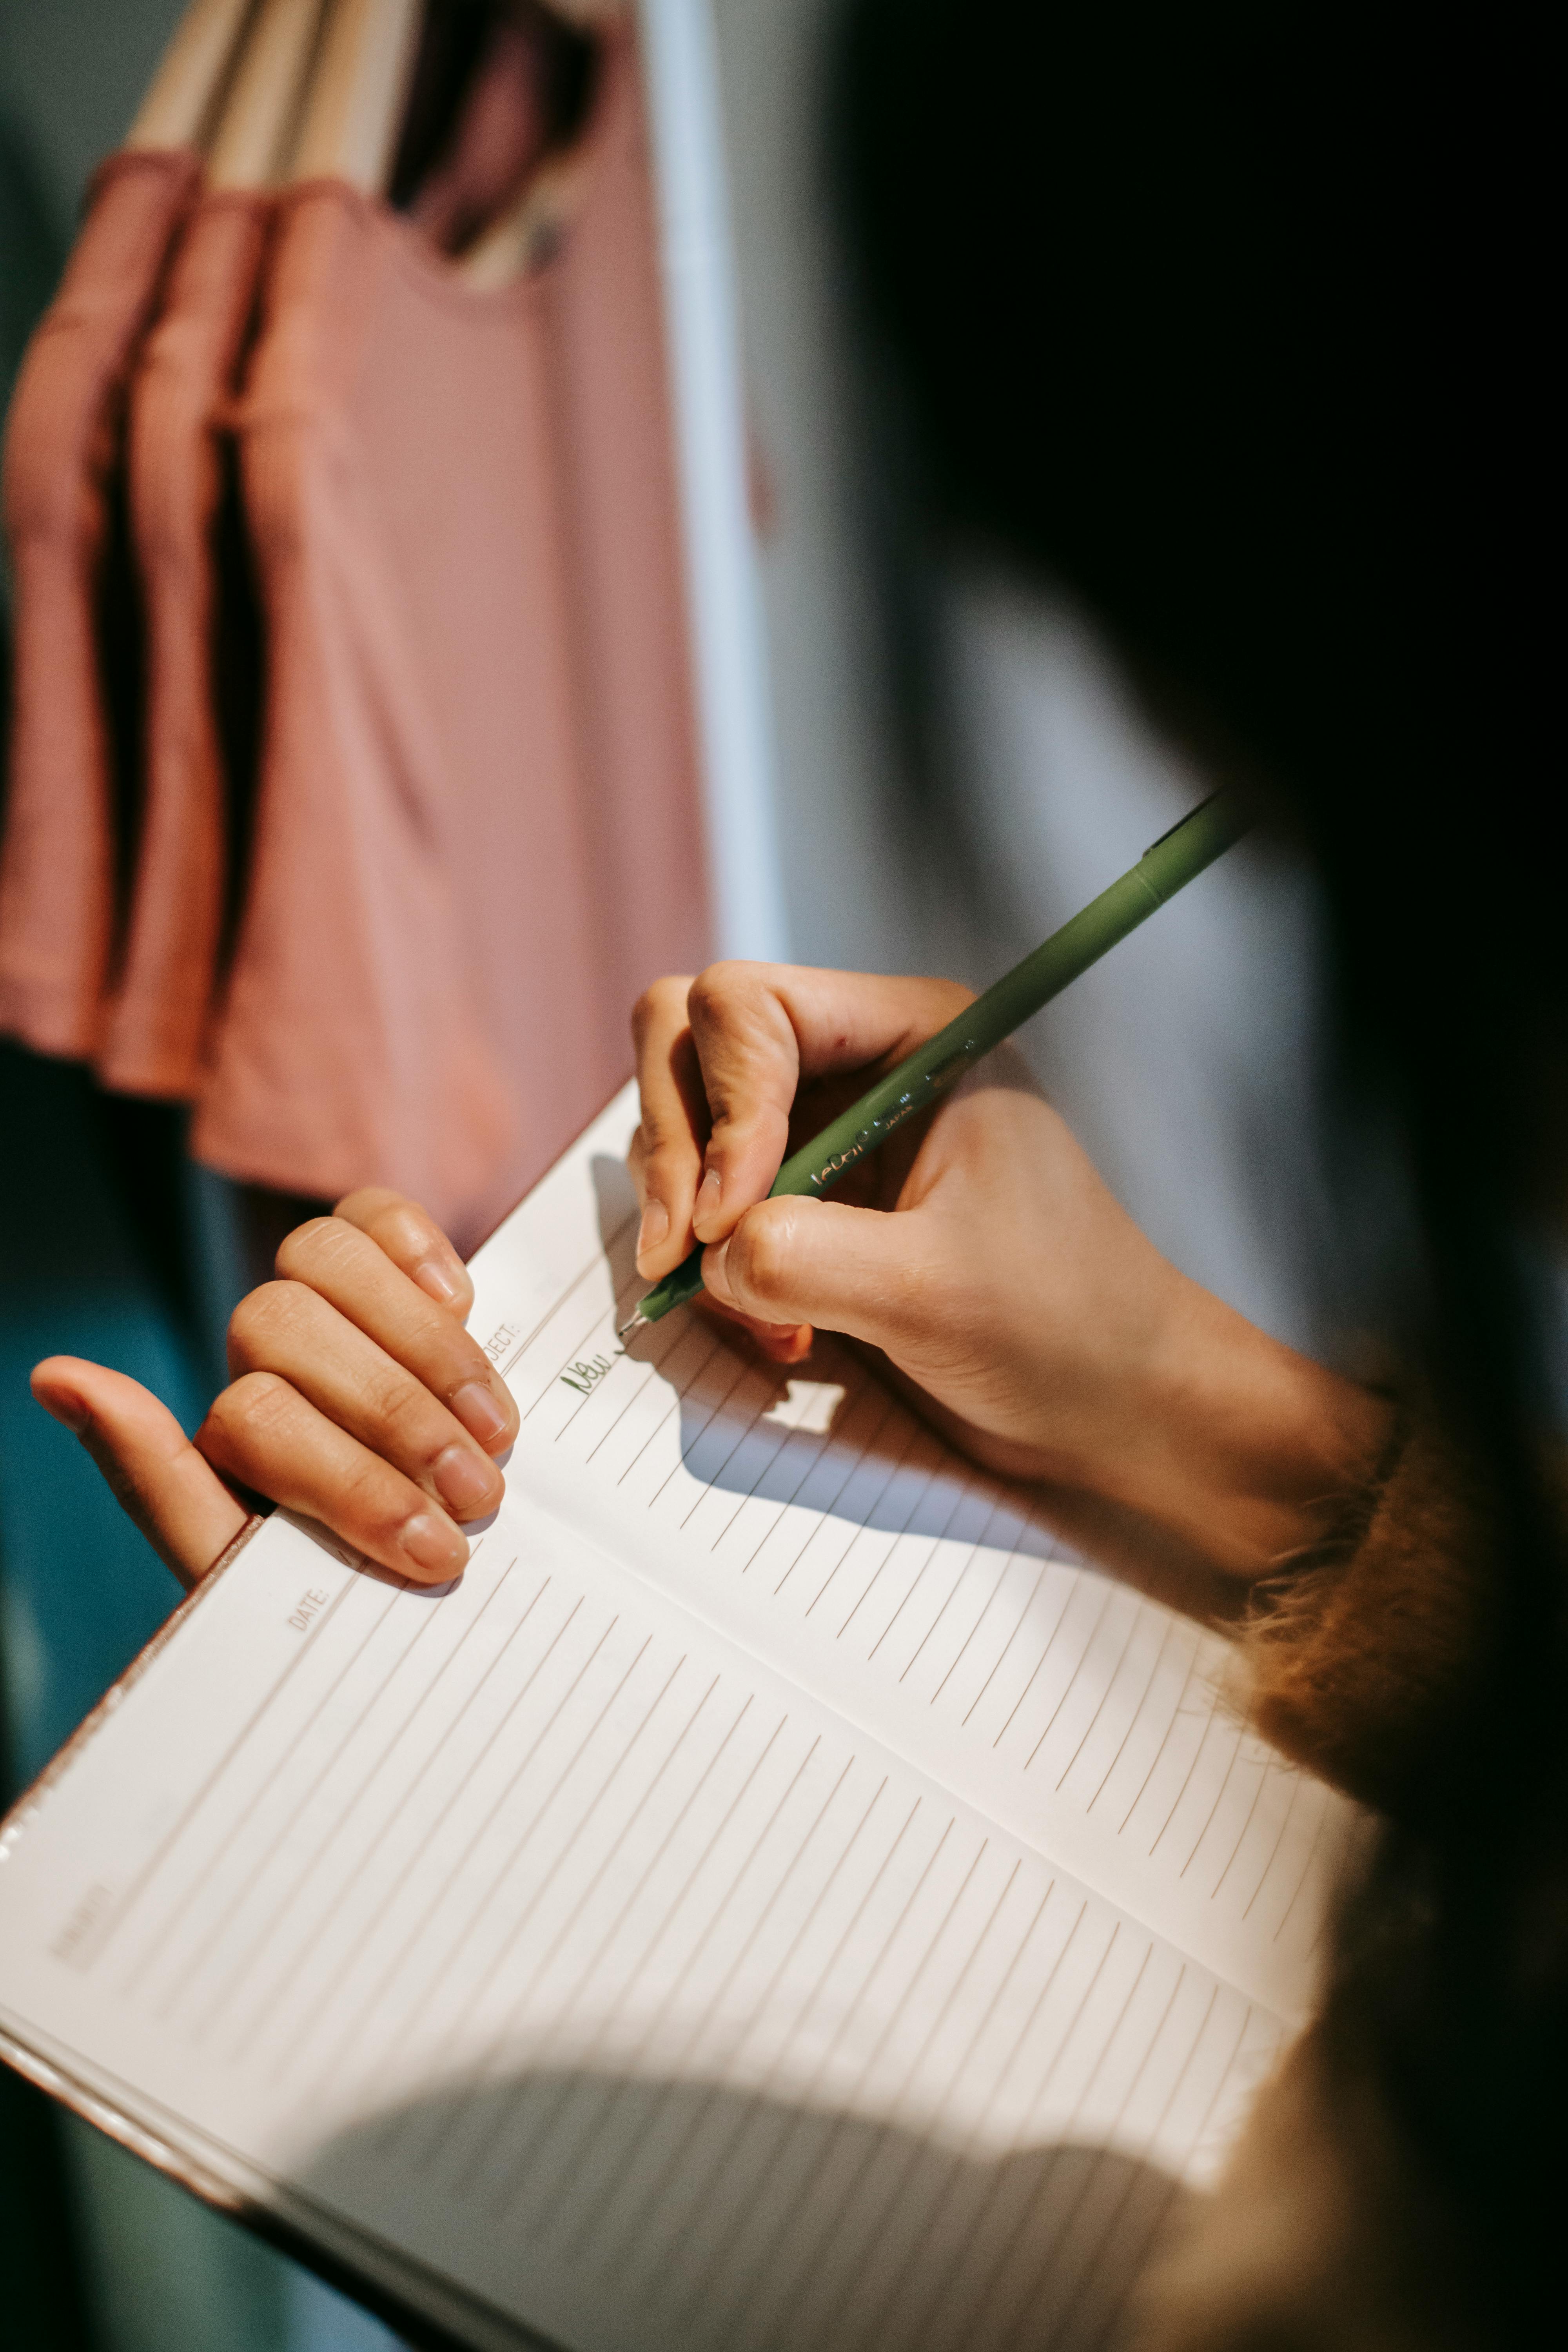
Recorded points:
981,1253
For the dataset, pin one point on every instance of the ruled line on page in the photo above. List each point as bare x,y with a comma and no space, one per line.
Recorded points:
873,2332
1298,1788
727,2321
1003,2259
1019,2135
535,1816
888,1554
1308,1860
345,1812
594,1919
1133,2265
973,2308
675,2058
1038,1667
1044,2256
896,2195
591,2225
513,2182
889,1970
215,1780
934,1547
974,1631
422,1625
786,2218
591,1266
812,1448
119,1911
560,1786
1238,1743
1071,1682
897,2106
657,1859
593,2221
1039,1656
543,1883
1120,1750
328,1988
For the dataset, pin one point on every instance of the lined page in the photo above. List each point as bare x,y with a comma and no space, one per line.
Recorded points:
537,1930
817,1519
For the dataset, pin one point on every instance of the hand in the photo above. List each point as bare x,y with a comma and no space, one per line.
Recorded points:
358,1399
981,1253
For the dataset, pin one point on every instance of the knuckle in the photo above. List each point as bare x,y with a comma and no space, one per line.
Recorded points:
264,1318
661,1004
951,998
762,1254
397,1410
668,1155
373,1496
367,1200
320,1243
715,989
399,1227
250,1408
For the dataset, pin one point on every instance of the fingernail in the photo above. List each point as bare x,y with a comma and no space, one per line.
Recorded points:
715,1275
479,1411
797,1346
439,1281
654,1227
433,1544
465,1481
708,1197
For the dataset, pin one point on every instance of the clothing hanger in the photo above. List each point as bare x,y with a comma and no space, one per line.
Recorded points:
531,226
187,91
529,230
250,145
354,110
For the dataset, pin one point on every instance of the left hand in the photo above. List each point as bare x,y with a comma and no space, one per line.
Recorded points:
358,1399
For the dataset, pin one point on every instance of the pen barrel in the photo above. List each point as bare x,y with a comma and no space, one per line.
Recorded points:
927,1074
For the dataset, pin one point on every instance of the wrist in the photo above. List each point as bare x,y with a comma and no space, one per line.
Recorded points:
1237,1444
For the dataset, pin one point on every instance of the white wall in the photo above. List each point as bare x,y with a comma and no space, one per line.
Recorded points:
1184,1062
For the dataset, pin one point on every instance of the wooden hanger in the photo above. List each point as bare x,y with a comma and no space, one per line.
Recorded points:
529,230
256,132
353,111
188,88
532,226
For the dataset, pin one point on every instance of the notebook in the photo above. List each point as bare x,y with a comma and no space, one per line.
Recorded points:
779,1898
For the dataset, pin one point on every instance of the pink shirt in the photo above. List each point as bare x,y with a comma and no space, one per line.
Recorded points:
477,831
66,806
179,464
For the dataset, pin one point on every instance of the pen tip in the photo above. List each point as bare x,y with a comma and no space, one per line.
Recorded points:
638,1323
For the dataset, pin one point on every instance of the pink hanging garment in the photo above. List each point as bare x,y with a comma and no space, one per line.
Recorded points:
614,440
430,986
176,456
59,860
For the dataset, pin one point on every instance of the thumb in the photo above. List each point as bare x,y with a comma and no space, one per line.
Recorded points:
819,1262
175,1496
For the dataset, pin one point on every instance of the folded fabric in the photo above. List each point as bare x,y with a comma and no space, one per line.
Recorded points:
475,778
179,469
70,798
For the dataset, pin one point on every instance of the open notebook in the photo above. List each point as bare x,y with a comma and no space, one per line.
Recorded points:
779,1898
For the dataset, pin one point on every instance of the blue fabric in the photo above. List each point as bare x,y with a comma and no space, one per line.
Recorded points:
83,1273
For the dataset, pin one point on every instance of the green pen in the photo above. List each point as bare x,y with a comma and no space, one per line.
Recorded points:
924,1075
